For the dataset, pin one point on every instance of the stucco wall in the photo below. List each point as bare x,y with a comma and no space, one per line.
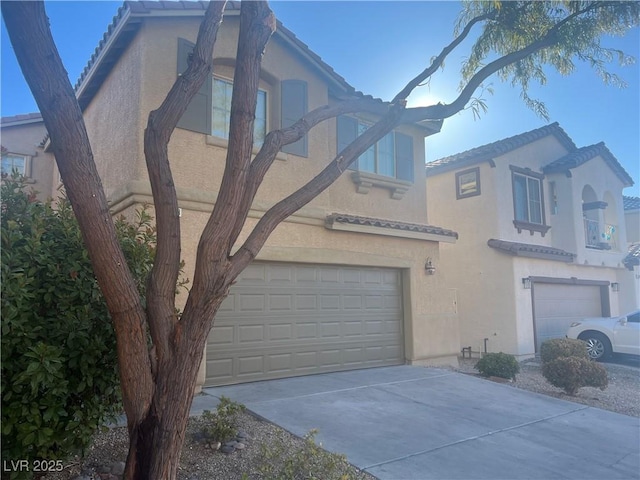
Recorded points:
114,121
25,140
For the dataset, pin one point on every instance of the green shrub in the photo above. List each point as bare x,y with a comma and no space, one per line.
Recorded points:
222,424
572,373
308,462
500,365
59,367
562,347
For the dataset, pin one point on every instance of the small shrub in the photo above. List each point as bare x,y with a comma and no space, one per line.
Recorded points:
500,365
572,373
309,461
562,347
59,378
222,424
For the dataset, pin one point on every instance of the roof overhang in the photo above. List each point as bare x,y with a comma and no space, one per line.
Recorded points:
528,250
392,228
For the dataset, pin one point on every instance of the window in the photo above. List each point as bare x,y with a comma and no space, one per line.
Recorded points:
11,162
527,199
528,205
221,111
391,156
468,183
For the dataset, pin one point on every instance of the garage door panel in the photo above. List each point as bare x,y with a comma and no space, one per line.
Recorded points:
285,319
557,306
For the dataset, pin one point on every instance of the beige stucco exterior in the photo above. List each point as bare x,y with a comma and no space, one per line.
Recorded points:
137,83
23,135
492,301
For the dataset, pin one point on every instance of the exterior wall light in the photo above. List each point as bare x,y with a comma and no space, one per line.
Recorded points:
615,287
429,268
526,283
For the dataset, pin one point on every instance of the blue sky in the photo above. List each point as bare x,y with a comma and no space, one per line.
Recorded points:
378,47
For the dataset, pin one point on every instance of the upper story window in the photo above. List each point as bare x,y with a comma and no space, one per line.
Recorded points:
379,158
387,164
209,111
12,162
528,205
468,183
221,111
391,156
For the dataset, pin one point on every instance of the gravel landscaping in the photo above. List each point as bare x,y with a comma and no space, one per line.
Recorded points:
104,459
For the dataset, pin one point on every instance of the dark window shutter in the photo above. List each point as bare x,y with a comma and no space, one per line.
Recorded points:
347,133
197,117
404,157
294,107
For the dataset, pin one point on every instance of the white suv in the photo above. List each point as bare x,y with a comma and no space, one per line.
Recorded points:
607,335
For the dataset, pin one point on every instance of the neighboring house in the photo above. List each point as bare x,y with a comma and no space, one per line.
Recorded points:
632,260
542,237
21,137
342,284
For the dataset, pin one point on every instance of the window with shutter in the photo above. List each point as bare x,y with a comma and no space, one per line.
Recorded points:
391,156
294,106
386,164
197,117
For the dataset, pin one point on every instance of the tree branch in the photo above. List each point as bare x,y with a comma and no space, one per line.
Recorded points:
439,60
161,291
257,24
312,189
276,139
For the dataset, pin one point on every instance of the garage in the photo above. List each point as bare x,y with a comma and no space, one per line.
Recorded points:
282,320
557,305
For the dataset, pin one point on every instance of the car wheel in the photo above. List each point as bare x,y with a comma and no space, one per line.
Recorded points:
598,345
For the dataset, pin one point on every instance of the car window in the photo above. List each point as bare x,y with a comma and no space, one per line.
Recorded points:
634,318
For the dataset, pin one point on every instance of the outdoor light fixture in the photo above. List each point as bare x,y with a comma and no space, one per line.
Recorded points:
429,268
615,287
526,283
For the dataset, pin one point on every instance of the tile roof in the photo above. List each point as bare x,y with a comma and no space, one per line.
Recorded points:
633,257
488,152
631,203
582,155
378,222
20,119
143,8
532,251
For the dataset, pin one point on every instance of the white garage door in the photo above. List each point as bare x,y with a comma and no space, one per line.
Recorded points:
283,320
556,306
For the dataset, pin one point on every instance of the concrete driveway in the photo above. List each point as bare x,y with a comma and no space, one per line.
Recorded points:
425,423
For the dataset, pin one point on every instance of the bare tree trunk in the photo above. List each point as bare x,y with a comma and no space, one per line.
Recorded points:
158,441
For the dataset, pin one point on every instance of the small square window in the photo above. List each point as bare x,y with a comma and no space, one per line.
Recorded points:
468,183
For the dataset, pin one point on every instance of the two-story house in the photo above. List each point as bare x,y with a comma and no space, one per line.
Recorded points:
343,283
22,152
542,237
